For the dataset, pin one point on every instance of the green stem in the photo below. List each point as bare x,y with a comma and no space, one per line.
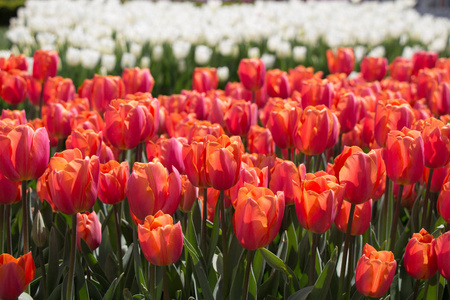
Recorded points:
117,219
425,212
224,241
124,155
295,157
25,217
350,264
345,251
152,281
8,229
250,254
44,280
312,265
317,163
138,153
416,289
60,147
384,214
204,218
308,163
166,285
73,254
396,217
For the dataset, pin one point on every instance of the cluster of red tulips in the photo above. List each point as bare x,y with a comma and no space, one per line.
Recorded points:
274,154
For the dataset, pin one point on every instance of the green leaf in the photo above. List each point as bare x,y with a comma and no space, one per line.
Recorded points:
84,292
302,294
93,291
93,264
214,236
56,293
276,263
238,279
323,283
394,289
112,289
53,274
252,286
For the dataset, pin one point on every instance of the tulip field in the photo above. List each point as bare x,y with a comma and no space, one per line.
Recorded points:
319,173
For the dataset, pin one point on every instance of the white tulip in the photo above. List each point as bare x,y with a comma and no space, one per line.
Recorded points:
268,60
89,58
108,62
253,52
223,73
299,53
73,56
128,60
157,53
181,49
145,62
202,54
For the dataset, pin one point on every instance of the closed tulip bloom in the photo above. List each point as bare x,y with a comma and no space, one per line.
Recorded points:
236,90
258,216
248,175
123,124
13,88
374,272
88,120
17,115
420,257
10,191
252,72
104,89
358,171
57,119
260,140
204,79
346,111
440,99
361,217
390,115
58,88
45,64
277,84
317,201
404,156
423,59
282,121
200,129
240,117
401,69
88,141
150,107
189,193
194,158
316,91
73,181
443,202
168,152
15,275
408,195
89,229
341,62
160,239
301,73
442,248
436,142
18,62
283,177
374,68
113,181
137,80
151,188
223,163
24,152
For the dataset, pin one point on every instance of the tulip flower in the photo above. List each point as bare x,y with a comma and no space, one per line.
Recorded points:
13,88
374,68
401,69
200,129
436,142
189,193
236,90
420,257
88,141
113,181
161,241
341,62
248,175
194,158
374,272
17,115
443,202
45,64
282,120
10,191
58,88
240,117
440,99
18,62
299,74
15,275
316,91
317,201
361,217
57,118
137,80
25,153
73,181
442,248
168,152
252,72
204,79
422,60
102,90
89,229
408,195
258,216
346,111
277,84
151,188
260,140
283,176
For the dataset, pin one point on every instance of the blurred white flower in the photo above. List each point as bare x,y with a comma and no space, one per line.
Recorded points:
378,51
273,42
299,53
89,58
226,47
269,60
73,56
359,51
128,60
103,71
5,53
157,52
284,49
254,52
181,49
223,73
136,49
181,66
108,62
202,54
145,62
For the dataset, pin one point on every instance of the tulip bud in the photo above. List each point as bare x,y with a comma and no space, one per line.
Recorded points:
39,232
420,257
89,229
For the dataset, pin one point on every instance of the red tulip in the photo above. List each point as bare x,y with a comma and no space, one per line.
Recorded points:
342,62
137,80
58,88
240,117
168,152
346,111
15,275
277,84
401,69
204,79
16,115
57,118
298,75
189,193
236,90
374,68
374,272
260,140
408,195
45,64
436,142
151,188
442,248
25,153
10,191
13,88
113,181
361,217
440,99
248,175
87,141
316,91
283,177
103,90
282,120
194,158
89,229
423,59
258,216
420,256
15,62
252,72
317,201
200,129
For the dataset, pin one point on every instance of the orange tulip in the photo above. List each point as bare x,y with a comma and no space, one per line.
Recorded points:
151,188
436,143
252,72
301,73
248,175
137,80
88,141
342,62
189,193
57,118
442,248
317,201
420,257
88,120
10,191
440,99
260,140
283,177
168,152
374,68
73,181
13,88
89,229
277,84
423,59
15,275
240,117
401,69
346,111
236,90
361,217
374,272
160,239
258,216
194,158
24,153
17,115
316,91
58,88
113,181
223,162
404,156
18,62
45,64
204,79
102,90
200,129
282,120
